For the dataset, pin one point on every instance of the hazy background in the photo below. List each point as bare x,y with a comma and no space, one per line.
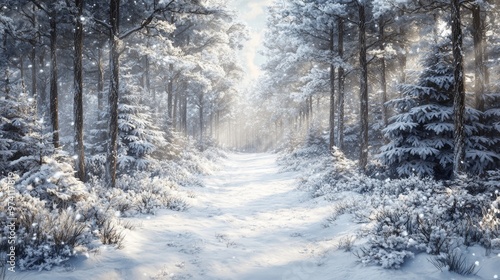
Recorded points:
254,14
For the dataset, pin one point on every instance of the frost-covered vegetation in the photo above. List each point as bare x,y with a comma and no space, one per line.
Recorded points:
401,217
58,216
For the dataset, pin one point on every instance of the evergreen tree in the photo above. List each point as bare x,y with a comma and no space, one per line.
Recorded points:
138,137
422,133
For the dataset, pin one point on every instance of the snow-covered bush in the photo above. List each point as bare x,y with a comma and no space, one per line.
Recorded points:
424,216
53,182
404,216
454,261
46,235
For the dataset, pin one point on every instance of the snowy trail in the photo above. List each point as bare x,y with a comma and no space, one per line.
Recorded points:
249,222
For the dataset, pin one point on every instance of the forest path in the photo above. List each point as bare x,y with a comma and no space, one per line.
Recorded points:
249,222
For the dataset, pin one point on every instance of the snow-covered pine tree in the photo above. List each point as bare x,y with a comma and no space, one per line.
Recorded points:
23,144
492,123
13,127
138,136
422,133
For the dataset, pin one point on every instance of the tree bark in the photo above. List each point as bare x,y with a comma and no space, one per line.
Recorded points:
170,92
478,57
184,113
54,105
112,147
363,88
332,93
174,113
341,94
78,88
100,84
34,68
459,100
7,72
21,73
383,81
200,103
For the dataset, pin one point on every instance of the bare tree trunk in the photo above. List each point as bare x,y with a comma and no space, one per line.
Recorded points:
54,106
341,95
332,93
7,74
383,81
169,91
363,88
200,103
174,113
112,153
100,84
43,104
459,100
311,107
78,88
34,71
21,72
478,57
34,68
184,113
402,57
147,74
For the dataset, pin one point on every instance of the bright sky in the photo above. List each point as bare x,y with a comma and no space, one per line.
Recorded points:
254,14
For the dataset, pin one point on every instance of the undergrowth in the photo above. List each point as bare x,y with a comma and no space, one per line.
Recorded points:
403,217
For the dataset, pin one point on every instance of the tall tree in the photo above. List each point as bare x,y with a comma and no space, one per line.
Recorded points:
341,82
479,46
116,39
78,91
363,85
54,98
332,90
112,146
459,99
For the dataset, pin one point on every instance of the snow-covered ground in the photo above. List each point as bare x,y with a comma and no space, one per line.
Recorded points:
250,222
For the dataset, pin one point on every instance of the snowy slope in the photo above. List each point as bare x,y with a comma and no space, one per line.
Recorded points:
250,222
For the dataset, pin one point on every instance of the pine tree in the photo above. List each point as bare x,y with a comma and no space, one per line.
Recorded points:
138,137
422,133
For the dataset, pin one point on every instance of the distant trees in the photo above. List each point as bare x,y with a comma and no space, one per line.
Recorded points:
386,39
67,43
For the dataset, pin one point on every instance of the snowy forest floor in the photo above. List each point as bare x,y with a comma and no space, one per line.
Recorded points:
249,222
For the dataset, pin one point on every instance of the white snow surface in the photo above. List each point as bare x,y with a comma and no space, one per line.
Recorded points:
250,222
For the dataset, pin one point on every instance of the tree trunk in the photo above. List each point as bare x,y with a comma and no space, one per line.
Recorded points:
21,73
112,152
459,100
78,98
100,85
200,100
174,113
54,106
363,89
311,107
7,74
479,45
147,75
402,57
332,93
170,92
340,101
34,68
383,82
184,113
